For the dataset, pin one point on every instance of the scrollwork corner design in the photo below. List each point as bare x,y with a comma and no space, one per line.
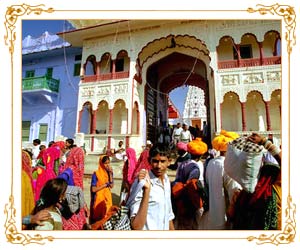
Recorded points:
11,17
11,231
289,17
289,231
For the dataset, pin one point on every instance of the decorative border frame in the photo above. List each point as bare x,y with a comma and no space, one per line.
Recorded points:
12,233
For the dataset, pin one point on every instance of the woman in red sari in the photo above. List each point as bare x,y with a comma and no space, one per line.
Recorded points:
47,165
75,162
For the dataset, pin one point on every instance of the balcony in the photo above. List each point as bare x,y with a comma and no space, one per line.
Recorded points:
252,62
41,83
105,77
39,90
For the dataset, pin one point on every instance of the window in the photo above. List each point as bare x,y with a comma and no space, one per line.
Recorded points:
245,52
43,132
26,130
76,71
49,72
78,58
120,65
29,73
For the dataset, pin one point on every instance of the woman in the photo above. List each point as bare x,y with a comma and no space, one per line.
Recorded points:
101,184
47,165
27,187
75,162
52,193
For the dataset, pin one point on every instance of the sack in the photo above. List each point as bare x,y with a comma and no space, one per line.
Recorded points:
118,218
243,161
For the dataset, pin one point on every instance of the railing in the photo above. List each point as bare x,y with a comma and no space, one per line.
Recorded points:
105,77
40,83
227,64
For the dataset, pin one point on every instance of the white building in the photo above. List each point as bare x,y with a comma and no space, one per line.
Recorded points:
130,66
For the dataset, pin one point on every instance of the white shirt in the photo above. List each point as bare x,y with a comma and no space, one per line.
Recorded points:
35,154
218,181
160,211
55,223
185,136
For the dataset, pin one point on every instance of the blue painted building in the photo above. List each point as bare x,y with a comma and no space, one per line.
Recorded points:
50,78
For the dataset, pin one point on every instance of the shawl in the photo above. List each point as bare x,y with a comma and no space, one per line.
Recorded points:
27,188
49,156
75,161
143,162
129,168
103,197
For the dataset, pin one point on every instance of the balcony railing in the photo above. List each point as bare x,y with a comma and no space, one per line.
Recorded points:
40,83
227,64
105,77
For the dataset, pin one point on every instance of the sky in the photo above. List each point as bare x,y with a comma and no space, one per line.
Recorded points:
35,28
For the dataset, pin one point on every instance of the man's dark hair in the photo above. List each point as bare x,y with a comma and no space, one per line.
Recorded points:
161,149
37,141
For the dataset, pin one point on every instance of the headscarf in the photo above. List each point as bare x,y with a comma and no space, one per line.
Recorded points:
26,164
220,142
132,162
75,161
181,146
103,198
197,147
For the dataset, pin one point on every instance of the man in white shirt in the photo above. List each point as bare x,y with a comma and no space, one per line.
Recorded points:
176,133
185,135
152,207
35,150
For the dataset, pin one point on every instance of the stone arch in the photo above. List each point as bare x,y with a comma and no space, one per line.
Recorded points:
256,111
102,122
231,107
120,113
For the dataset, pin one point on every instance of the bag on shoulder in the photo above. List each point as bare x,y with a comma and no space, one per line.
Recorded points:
118,218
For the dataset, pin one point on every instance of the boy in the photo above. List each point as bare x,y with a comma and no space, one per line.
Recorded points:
152,208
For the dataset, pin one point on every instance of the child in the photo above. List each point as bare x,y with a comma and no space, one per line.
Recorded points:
152,208
52,193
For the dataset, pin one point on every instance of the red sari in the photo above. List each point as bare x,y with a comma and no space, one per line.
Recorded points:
75,161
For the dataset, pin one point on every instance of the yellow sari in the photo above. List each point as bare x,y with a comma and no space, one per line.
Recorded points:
103,197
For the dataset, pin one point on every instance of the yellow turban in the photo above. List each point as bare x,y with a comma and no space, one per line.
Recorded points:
220,142
197,147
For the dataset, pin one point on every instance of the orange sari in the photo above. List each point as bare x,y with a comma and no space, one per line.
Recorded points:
103,198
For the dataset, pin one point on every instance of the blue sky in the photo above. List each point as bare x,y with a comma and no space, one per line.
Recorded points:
36,28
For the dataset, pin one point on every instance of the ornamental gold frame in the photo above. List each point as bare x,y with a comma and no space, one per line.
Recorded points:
15,235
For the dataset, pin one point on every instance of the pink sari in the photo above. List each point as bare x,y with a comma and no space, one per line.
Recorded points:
75,161
49,156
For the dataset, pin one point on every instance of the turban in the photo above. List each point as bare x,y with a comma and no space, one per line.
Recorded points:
181,146
197,147
220,142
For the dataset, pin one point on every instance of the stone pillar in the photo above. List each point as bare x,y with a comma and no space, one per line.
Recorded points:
110,127
243,107
113,71
267,105
79,120
261,53
94,121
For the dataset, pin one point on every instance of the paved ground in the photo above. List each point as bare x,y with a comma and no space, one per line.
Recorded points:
117,168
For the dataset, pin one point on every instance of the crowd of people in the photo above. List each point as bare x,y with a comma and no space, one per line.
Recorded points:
203,195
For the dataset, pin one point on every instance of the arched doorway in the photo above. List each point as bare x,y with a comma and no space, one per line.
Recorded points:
164,75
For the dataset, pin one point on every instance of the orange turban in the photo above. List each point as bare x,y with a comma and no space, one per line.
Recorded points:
197,147
220,142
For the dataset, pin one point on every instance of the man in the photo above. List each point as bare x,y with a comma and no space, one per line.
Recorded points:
35,150
152,207
176,133
185,135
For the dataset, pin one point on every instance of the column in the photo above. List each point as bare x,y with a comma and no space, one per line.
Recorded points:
221,115
261,53
110,127
98,71
94,121
243,107
113,71
79,121
267,105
